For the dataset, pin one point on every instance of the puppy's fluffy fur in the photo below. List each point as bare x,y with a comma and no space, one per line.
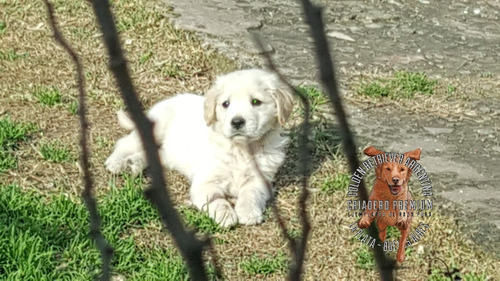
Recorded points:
207,140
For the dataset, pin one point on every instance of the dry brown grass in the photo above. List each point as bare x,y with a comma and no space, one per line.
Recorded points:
165,61
453,99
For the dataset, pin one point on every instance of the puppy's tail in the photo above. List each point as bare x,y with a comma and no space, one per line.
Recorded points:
125,121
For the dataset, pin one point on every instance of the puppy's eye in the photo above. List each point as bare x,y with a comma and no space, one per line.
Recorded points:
256,102
225,104
388,169
402,169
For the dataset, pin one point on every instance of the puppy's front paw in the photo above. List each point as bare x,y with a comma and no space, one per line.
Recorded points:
136,164
364,222
249,215
226,218
222,212
401,224
115,164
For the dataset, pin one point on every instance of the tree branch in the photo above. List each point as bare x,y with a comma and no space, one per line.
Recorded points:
190,247
297,247
325,63
90,202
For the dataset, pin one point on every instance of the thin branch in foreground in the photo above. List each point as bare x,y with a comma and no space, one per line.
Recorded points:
314,19
95,220
298,246
190,247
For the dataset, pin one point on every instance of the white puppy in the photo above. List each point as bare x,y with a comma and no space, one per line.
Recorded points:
207,139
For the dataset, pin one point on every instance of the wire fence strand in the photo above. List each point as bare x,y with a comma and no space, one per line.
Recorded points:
104,247
327,76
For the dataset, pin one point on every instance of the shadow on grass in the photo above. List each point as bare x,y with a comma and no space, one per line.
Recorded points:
324,144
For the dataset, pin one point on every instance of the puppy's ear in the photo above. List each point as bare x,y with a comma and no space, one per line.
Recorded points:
414,154
372,151
284,103
125,121
209,106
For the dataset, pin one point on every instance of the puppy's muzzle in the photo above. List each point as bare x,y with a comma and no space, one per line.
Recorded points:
395,181
237,123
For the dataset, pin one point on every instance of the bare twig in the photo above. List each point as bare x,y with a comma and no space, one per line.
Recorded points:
190,247
90,202
297,247
314,19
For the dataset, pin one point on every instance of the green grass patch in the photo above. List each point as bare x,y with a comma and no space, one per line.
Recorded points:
200,221
487,75
134,19
12,55
295,233
41,239
55,152
404,84
48,96
11,134
172,70
375,89
266,266
131,206
338,182
3,26
145,56
392,233
451,89
72,107
315,96
7,161
46,238
365,259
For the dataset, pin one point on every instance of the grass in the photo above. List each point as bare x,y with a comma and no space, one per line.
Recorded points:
3,27
268,265
364,259
315,96
46,238
146,56
404,84
12,55
43,224
338,182
55,152
73,107
11,135
364,255
454,274
392,233
449,98
200,221
7,161
487,75
48,96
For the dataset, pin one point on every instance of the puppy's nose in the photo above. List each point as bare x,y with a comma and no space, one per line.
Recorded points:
395,180
237,122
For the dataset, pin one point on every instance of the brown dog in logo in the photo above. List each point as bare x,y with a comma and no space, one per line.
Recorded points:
391,184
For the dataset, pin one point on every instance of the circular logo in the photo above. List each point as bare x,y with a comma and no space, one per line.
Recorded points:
392,204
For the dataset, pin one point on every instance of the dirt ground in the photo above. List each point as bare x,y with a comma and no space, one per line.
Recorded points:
453,41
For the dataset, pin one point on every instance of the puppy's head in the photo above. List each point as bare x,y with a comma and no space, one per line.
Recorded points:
391,173
246,104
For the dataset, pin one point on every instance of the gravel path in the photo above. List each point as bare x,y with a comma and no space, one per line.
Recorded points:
446,38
